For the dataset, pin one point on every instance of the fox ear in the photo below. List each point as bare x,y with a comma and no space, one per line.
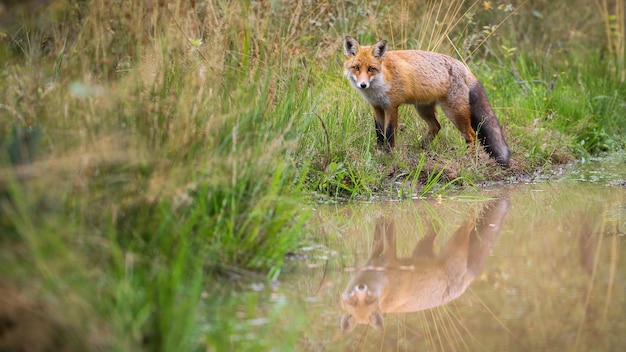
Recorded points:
350,46
347,323
377,321
380,49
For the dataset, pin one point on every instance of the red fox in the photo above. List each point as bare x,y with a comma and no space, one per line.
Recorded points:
387,79
388,284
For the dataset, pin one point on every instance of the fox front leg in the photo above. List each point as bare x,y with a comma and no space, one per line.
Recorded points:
391,125
386,125
379,122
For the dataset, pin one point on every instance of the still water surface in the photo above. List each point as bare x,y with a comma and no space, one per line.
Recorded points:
524,267
536,267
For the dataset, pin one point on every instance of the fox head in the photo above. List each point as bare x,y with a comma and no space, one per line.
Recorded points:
363,64
361,307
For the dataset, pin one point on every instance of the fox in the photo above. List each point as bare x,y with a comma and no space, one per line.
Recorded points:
389,78
388,284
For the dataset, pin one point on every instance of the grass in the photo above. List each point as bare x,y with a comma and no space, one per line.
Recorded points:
150,151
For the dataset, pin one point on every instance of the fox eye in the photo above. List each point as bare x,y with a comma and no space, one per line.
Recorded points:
371,69
356,68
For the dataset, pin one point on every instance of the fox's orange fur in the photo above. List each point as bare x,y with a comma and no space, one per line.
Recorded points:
388,284
388,79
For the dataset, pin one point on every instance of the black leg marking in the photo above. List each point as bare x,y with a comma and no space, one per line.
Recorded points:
380,137
389,137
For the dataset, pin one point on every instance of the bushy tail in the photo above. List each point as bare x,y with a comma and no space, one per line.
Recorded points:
486,125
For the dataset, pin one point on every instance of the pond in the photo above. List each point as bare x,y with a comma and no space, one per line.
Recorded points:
519,267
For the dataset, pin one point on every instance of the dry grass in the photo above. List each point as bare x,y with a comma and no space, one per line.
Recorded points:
157,145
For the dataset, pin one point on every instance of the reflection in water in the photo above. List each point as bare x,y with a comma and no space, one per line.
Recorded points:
554,280
388,284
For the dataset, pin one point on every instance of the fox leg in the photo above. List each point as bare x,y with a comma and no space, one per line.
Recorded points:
425,247
386,123
384,238
386,229
460,115
391,125
379,122
427,113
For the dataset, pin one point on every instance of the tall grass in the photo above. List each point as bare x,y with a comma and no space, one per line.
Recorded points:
614,21
148,148
165,159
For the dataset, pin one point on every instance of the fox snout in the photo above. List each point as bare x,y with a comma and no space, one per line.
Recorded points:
361,291
359,82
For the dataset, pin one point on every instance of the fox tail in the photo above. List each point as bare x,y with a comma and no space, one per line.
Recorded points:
486,125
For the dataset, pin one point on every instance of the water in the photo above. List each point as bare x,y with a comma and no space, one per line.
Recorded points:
527,267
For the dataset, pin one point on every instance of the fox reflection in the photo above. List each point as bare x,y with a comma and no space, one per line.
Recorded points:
388,284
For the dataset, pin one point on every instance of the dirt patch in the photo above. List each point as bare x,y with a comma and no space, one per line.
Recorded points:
29,325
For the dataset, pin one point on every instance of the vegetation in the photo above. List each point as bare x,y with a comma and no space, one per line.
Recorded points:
150,149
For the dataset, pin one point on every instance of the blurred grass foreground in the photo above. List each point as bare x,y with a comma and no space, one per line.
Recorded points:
149,150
